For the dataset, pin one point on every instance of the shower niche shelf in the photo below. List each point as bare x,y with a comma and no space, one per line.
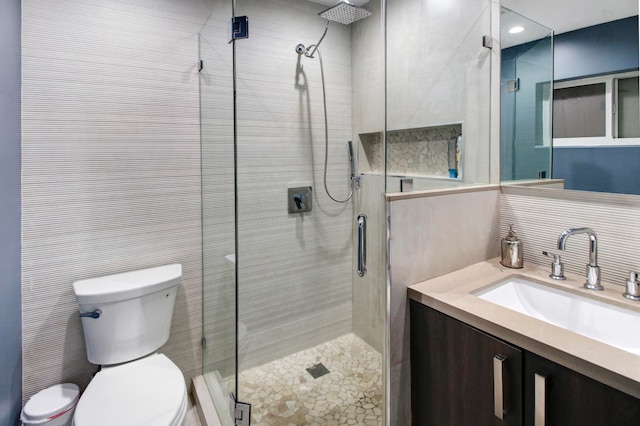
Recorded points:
433,152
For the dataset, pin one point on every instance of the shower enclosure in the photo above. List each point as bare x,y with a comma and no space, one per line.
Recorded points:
290,326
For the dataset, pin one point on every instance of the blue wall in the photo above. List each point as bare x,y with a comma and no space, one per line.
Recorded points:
10,294
601,49
598,169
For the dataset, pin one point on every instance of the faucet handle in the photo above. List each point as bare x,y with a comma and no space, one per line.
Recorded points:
557,267
633,287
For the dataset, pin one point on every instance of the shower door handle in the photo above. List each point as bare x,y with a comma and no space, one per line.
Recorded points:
362,244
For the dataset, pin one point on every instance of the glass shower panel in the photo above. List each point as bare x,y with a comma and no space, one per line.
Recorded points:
218,212
525,99
301,358
438,93
533,111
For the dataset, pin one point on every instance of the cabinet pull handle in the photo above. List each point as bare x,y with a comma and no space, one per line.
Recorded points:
540,396
498,386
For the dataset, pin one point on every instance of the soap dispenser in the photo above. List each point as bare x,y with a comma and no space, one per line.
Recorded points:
511,250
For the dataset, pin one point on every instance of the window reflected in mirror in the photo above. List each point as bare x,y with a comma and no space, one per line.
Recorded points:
579,111
628,107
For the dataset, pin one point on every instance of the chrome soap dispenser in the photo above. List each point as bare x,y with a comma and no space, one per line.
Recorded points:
511,250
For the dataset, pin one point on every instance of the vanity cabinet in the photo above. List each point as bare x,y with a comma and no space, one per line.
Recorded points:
463,376
571,398
452,373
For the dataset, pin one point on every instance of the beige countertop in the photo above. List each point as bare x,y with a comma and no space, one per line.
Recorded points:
452,295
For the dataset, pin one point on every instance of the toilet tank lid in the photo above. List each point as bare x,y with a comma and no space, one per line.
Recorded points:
127,285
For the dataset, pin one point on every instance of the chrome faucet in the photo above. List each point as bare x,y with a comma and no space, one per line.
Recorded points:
593,270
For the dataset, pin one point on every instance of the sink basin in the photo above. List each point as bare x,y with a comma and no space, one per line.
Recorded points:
597,320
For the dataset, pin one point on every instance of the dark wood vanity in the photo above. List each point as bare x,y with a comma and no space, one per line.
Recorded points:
461,375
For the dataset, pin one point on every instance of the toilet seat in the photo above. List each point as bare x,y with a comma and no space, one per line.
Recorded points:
148,391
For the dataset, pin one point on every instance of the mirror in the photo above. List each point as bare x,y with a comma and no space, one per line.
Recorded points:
595,104
525,98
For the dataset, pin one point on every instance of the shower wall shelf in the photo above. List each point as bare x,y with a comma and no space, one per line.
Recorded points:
422,152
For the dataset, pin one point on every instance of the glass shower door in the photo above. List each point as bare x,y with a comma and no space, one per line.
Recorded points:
526,99
300,357
218,209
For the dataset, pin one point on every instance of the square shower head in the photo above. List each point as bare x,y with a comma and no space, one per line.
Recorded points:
345,13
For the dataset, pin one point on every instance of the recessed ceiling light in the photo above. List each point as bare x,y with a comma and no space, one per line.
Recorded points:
516,30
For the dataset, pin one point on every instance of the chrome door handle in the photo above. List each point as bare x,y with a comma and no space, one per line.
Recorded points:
498,386
362,244
540,400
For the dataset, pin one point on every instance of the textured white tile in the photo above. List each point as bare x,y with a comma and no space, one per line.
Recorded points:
111,159
295,274
540,215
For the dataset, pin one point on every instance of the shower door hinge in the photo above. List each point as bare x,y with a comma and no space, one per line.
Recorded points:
204,342
239,28
240,411
513,85
487,42
200,65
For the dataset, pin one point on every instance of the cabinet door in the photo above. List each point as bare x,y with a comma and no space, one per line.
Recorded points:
452,373
565,397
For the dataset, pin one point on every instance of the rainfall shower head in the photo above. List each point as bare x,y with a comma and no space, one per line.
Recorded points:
345,13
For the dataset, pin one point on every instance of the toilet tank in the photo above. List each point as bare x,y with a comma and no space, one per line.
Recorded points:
127,316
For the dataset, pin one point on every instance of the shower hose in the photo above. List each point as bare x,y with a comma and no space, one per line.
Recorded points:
326,135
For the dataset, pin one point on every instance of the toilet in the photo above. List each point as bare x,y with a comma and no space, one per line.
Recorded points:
126,318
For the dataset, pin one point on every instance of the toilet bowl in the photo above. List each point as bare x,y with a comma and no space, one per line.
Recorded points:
126,318
148,391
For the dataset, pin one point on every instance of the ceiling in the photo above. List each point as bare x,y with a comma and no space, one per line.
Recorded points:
558,15
567,15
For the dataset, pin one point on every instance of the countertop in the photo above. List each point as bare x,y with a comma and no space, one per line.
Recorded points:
452,295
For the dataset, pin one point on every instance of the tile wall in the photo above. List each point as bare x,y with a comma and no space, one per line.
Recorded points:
367,83
294,279
110,167
431,234
413,152
439,73
540,215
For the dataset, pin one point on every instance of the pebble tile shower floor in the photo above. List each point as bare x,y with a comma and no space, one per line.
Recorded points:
283,393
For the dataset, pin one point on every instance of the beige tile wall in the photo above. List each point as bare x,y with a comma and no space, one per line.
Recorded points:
294,282
540,215
431,235
368,296
439,73
111,167
218,209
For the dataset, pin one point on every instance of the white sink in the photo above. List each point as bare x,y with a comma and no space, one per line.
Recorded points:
601,321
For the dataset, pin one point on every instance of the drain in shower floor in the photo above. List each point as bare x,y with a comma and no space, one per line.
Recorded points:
317,370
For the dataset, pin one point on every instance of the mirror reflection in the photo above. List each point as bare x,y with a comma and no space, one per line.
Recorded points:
525,98
588,132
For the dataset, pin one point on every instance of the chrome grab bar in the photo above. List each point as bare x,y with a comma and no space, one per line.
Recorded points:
362,244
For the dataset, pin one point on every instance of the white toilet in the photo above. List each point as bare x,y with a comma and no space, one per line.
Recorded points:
126,318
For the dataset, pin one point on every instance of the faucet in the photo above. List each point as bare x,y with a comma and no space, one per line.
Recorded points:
593,270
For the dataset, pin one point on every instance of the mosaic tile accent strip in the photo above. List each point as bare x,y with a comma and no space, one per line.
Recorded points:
423,151
282,392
